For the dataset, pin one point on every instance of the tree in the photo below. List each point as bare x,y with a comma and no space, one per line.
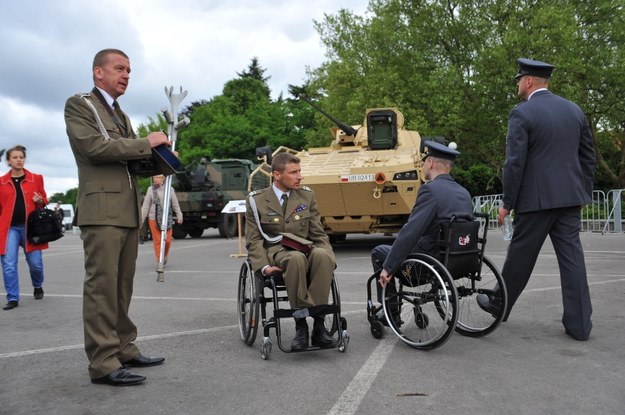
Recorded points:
234,123
448,65
153,125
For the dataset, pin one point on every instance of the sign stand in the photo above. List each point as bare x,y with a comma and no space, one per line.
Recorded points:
238,207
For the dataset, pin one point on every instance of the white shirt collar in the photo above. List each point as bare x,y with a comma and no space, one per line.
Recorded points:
109,99
279,192
539,89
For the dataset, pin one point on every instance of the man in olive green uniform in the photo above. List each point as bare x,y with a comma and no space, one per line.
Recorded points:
108,212
288,207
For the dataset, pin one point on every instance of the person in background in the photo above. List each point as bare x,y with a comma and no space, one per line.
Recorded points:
108,214
547,177
152,208
21,192
58,211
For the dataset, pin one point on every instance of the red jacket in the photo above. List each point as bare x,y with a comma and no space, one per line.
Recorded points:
32,183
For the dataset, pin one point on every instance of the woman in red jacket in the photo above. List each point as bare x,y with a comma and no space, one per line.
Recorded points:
20,193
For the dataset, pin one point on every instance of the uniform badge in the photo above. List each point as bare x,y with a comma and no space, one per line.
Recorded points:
300,207
276,219
297,217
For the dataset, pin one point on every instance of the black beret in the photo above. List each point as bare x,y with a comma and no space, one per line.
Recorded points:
535,68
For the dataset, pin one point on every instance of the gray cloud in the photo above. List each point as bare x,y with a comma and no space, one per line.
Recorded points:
48,48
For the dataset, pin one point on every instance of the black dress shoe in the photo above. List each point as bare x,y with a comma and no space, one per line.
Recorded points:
11,305
396,318
320,336
144,361
489,304
300,342
120,377
578,338
38,293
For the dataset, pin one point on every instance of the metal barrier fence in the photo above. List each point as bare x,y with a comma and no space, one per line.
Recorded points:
604,214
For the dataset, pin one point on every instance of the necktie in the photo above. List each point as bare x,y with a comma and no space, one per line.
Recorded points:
285,198
119,114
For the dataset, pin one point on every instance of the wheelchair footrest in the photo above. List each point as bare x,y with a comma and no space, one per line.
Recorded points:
318,310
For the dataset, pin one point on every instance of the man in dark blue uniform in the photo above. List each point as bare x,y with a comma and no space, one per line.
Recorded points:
437,201
547,177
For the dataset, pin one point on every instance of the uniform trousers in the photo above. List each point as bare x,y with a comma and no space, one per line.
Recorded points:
307,278
110,260
563,227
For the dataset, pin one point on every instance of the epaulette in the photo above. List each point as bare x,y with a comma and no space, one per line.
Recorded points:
83,94
308,189
255,192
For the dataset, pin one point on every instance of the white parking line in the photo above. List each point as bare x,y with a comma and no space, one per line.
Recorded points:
140,338
349,401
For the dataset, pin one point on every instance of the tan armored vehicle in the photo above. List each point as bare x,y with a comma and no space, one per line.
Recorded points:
366,181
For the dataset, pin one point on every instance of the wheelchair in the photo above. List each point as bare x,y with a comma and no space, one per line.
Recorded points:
436,296
255,291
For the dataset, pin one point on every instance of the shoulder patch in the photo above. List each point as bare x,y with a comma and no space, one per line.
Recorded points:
83,94
255,192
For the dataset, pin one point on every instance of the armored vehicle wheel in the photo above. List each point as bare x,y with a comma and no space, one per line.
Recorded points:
178,232
337,237
228,226
196,232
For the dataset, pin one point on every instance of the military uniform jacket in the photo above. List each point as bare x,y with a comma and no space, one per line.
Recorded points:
550,159
302,219
437,202
107,193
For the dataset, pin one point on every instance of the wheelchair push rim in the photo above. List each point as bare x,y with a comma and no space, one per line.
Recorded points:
248,304
427,301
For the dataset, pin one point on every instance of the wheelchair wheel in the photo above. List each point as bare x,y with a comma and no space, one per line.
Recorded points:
377,329
332,320
424,309
472,320
248,301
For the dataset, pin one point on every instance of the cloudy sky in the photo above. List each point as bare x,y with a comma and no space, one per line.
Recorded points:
48,47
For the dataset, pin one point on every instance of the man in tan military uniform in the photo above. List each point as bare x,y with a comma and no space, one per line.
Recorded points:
107,212
269,213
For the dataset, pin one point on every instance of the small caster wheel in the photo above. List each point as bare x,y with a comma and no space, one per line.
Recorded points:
265,348
344,342
421,320
377,329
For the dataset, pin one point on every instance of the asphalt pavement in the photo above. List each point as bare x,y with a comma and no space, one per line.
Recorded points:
527,366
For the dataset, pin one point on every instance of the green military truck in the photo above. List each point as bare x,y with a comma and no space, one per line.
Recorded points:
203,189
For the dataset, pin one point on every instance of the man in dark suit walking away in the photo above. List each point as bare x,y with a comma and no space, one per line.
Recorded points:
548,176
108,212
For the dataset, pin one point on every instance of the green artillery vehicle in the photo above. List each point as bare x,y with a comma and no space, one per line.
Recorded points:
366,181
203,189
